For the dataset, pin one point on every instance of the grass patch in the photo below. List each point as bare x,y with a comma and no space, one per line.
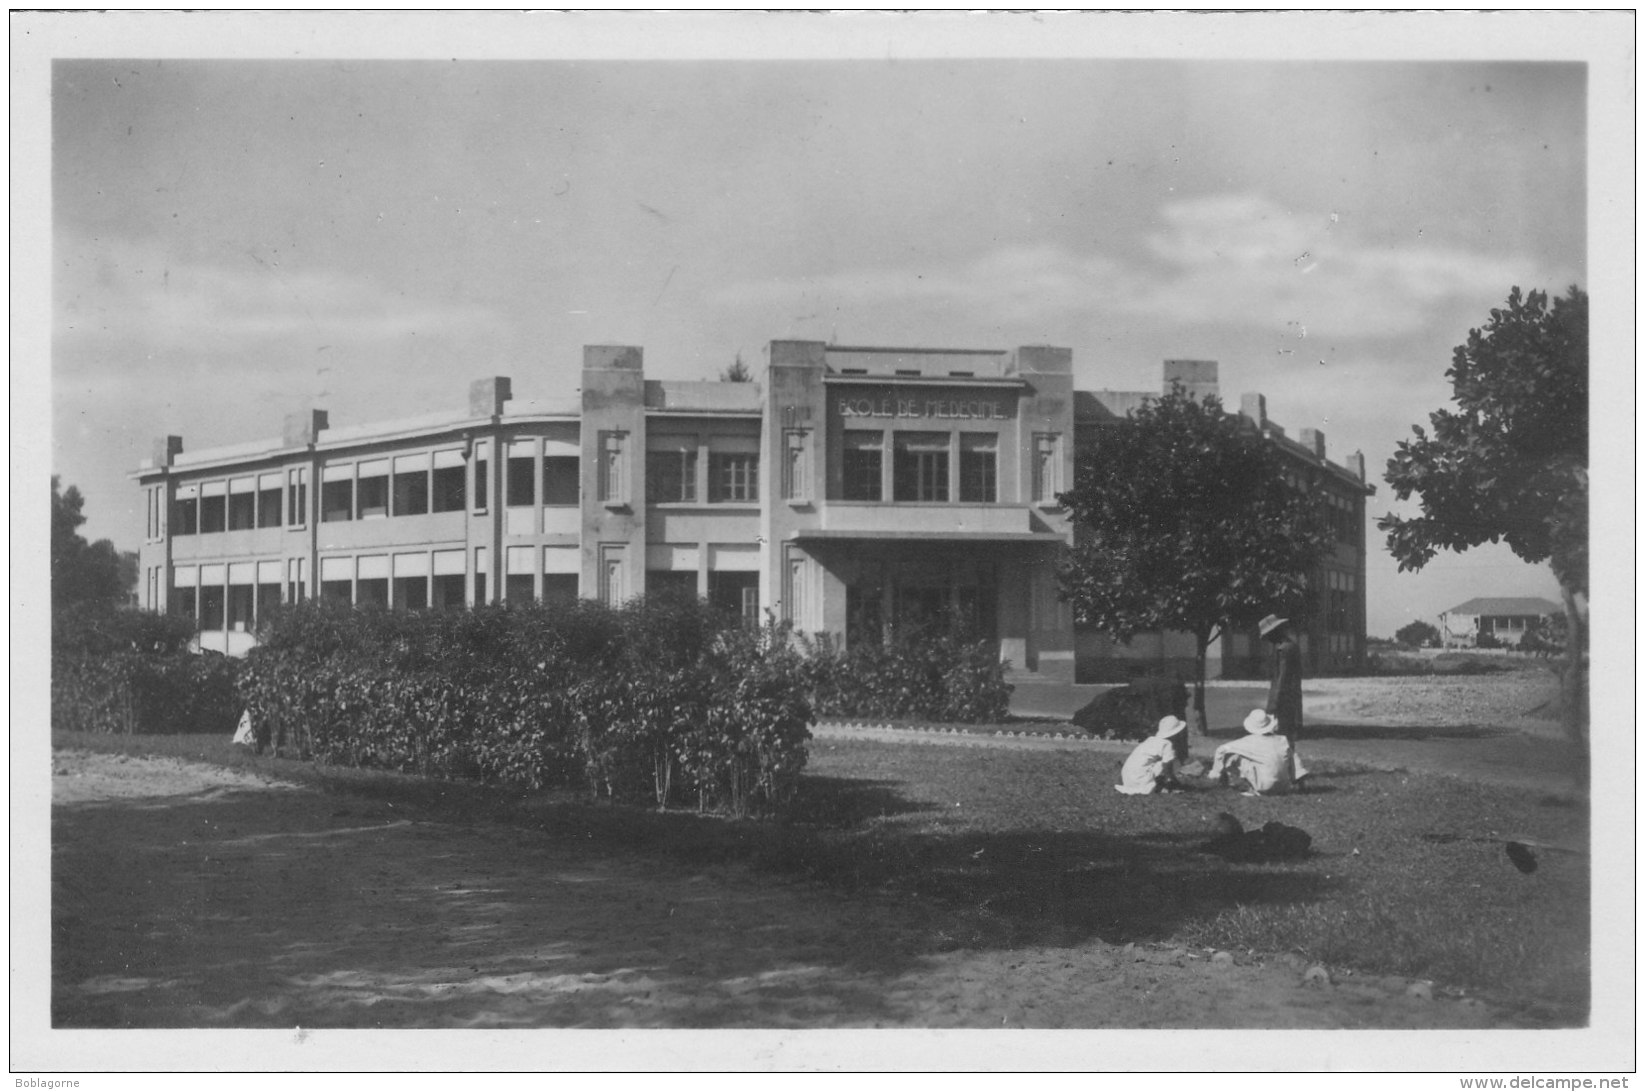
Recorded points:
994,847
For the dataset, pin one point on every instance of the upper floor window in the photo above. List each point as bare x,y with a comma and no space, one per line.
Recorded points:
561,484
978,484
371,490
733,476
242,504
269,493
482,480
297,495
919,470
613,471
448,492
522,474
671,474
213,508
796,464
185,518
1047,467
411,485
336,494
860,465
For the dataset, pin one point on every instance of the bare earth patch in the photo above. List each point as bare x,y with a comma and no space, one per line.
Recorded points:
187,895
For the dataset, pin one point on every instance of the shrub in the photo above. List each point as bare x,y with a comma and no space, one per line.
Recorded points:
661,700
918,674
126,671
1134,711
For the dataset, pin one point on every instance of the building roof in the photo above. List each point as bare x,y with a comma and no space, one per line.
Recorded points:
1532,606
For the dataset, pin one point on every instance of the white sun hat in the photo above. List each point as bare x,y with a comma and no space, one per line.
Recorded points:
1170,726
1259,723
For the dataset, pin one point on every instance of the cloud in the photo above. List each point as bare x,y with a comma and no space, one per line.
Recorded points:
1234,259
135,293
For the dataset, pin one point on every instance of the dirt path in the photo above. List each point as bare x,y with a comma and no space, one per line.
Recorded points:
185,895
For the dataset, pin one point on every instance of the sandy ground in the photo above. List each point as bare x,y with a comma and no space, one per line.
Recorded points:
186,895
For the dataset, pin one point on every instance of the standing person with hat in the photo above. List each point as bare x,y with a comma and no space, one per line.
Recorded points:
1285,685
1152,767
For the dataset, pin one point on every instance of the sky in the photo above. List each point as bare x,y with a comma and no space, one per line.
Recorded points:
234,239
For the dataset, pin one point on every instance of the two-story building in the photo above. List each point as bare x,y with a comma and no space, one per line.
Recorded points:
854,490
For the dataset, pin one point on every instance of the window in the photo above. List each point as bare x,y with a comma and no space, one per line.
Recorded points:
613,479
671,476
371,490
372,592
561,487
297,495
337,500
268,505
613,575
184,602
151,519
482,483
411,592
337,591
977,468
296,580
213,514
268,598
242,504
241,598
1047,467
796,465
411,486
733,476
920,466
449,493
736,592
185,519
519,589
448,589
559,587
671,583
522,483
211,606
860,465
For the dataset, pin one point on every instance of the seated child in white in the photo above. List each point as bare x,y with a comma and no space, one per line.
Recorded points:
1152,767
1263,759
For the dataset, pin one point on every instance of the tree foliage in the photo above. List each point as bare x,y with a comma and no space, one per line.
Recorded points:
1417,634
1510,463
81,571
1185,521
737,373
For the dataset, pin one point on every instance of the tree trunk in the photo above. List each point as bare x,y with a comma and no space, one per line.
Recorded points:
1572,691
1200,644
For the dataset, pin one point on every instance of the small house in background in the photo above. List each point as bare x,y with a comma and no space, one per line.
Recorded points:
1505,621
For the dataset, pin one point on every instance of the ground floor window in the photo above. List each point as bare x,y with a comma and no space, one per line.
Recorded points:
337,591
518,588
211,606
560,587
673,583
372,592
411,592
448,592
960,598
737,592
185,602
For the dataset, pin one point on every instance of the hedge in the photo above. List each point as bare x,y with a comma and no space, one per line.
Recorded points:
663,700
918,674
124,671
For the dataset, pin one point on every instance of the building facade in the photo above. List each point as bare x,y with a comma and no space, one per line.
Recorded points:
1505,620
853,491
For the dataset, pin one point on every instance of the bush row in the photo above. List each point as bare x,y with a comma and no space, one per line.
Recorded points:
665,700
129,692
933,676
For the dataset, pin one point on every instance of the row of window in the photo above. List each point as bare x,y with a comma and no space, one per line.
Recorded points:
1340,601
925,466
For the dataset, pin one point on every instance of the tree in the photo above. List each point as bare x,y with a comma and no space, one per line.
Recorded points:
1510,463
1417,634
1184,521
737,373
80,572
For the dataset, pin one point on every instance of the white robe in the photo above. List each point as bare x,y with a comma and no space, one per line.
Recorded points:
1153,762
1267,762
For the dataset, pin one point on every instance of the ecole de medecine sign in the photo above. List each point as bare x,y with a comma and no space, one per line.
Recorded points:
937,408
